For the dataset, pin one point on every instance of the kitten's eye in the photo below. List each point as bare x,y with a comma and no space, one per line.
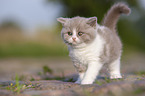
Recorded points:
69,33
80,33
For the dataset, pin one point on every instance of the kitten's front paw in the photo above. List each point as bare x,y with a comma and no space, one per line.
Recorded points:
78,82
85,82
115,76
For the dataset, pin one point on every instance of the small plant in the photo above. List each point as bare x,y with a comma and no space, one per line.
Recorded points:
107,80
39,73
32,79
46,69
98,82
17,87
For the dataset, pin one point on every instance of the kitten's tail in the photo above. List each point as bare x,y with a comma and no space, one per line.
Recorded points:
113,14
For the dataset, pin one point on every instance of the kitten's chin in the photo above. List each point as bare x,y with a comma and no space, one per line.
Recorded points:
73,44
77,45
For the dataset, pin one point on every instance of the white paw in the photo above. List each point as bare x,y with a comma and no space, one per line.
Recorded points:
85,82
115,76
78,82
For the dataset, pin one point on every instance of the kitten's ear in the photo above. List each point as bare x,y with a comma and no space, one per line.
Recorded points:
92,21
62,20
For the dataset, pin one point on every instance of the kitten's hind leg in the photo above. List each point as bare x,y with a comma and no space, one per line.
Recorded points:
114,69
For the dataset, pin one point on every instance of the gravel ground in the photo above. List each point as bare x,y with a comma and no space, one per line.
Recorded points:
60,82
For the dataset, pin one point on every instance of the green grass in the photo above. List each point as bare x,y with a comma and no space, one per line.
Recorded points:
140,73
98,82
139,91
17,87
46,69
21,78
32,50
108,80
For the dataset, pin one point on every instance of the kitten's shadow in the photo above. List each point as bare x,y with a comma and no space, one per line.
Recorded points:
102,78
73,78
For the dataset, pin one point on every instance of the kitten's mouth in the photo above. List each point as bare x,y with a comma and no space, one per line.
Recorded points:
68,43
73,43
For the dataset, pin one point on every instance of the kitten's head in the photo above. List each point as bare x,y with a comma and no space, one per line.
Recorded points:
78,30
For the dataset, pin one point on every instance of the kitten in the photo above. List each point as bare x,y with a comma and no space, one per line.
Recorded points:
92,45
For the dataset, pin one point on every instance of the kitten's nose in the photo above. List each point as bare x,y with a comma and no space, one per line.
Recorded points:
74,38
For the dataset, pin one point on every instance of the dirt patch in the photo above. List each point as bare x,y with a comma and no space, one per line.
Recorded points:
57,79
130,85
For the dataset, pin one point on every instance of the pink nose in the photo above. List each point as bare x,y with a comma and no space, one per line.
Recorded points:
74,38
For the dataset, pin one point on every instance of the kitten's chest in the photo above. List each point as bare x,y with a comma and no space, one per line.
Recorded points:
84,56
81,57
87,54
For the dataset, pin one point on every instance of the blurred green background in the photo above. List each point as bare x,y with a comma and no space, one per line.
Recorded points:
45,41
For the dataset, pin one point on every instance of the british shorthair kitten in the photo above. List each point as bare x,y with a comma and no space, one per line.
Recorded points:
92,45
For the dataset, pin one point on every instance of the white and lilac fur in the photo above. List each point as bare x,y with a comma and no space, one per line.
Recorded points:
89,55
103,45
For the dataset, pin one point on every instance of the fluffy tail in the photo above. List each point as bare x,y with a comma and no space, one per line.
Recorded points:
113,14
